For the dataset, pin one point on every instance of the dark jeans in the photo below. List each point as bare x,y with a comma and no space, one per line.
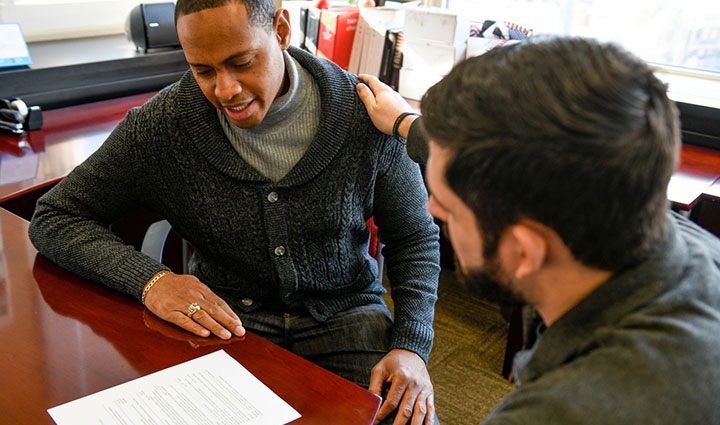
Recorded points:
349,344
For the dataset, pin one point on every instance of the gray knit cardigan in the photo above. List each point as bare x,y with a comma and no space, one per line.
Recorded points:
172,157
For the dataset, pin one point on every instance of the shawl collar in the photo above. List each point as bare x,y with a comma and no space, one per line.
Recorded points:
337,113
575,333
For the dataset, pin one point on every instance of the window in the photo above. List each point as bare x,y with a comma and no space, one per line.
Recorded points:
59,19
681,39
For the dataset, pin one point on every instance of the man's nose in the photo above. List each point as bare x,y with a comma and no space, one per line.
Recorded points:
226,87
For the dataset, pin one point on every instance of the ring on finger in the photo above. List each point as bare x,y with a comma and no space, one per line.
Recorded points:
192,309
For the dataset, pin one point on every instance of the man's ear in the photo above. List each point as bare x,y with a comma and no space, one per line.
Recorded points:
281,27
528,247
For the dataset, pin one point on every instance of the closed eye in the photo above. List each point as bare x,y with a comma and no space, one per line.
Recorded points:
242,65
202,71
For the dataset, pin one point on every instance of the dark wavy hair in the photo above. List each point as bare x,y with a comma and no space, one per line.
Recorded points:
572,133
260,12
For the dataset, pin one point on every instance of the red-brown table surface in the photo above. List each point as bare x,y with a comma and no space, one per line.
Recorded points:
699,168
62,338
68,136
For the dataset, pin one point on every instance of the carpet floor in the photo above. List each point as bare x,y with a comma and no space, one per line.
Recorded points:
466,361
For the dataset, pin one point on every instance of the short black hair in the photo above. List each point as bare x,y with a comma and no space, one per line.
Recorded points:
572,133
260,12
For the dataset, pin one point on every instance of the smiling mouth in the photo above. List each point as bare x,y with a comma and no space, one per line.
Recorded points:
237,108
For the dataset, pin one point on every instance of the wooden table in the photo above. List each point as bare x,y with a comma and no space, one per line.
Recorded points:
698,170
39,159
68,136
62,338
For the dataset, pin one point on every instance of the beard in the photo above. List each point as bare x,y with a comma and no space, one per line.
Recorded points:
489,283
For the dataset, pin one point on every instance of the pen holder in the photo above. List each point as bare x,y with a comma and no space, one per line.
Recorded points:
16,117
34,119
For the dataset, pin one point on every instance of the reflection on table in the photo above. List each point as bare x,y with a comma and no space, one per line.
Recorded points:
64,337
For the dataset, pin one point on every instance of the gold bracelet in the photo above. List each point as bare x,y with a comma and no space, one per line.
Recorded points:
151,283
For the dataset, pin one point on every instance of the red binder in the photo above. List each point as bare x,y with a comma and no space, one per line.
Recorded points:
337,31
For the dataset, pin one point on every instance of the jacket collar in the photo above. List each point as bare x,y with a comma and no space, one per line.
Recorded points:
337,112
577,331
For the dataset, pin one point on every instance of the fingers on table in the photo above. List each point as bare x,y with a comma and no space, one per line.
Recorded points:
224,315
213,316
218,318
190,325
209,318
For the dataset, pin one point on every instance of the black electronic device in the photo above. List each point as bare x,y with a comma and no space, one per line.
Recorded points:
151,26
16,117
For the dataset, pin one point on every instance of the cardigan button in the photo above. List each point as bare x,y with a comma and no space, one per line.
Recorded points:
272,197
247,302
280,251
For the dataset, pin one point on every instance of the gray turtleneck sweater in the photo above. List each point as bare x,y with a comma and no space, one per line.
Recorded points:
301,238
274,146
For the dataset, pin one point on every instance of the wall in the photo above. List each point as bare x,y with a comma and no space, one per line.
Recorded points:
60,19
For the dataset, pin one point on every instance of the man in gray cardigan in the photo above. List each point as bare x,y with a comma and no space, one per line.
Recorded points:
264,159
549,161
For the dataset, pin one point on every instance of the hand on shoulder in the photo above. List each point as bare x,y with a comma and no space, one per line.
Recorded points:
384,105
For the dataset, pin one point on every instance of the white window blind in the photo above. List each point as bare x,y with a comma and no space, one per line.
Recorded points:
60,19
681,38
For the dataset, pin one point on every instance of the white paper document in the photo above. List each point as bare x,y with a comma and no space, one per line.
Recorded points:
211,390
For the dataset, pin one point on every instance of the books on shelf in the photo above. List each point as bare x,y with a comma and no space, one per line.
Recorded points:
358,49
397,62
388,56
360,40
408,48
312,27
367,53
336,34
303,25
297,11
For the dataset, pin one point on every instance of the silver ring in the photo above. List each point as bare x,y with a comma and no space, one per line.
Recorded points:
192,309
